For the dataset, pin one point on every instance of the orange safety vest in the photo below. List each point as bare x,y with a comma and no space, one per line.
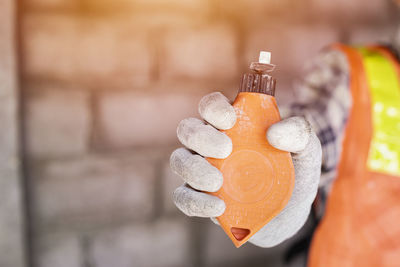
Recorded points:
361,226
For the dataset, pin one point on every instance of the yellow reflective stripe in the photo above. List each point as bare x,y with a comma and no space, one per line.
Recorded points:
383,81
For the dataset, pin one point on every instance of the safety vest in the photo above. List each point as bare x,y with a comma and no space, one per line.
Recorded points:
361,226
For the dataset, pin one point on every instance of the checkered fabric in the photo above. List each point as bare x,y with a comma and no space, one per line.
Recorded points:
323,97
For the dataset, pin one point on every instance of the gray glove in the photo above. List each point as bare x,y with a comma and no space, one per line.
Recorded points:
293,135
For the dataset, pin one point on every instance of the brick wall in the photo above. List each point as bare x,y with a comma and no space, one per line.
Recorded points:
105,84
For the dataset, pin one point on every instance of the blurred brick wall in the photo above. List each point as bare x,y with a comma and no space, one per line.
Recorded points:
105,84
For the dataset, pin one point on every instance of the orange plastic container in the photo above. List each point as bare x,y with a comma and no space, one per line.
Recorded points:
258,178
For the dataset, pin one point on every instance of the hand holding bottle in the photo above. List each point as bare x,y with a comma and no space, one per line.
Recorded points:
293,135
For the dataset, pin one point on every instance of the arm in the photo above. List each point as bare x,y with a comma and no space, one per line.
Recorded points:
323,97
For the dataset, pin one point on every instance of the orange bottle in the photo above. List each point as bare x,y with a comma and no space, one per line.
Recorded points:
258,178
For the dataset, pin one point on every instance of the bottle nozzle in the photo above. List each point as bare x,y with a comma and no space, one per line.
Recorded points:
260,81
264,63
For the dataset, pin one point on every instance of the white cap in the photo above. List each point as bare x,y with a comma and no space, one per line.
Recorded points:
265,57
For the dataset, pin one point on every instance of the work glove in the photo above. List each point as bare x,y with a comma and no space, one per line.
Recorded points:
202,139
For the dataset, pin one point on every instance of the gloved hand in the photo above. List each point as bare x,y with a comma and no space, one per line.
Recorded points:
293,135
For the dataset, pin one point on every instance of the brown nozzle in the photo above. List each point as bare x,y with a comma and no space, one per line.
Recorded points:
259,81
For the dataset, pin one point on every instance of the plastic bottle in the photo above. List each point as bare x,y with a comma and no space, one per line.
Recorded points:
258,178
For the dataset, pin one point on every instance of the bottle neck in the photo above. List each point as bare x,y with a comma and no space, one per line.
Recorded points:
258,83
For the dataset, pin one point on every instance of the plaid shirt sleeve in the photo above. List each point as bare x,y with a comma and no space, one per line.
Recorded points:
323,97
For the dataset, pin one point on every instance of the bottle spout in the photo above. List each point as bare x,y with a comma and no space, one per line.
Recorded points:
259,81
264,63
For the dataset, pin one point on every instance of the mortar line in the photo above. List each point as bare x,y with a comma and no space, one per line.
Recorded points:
26,194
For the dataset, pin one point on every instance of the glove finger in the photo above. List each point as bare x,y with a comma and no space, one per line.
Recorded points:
204,139
196,170
194,203
290,135
295,135
216,110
